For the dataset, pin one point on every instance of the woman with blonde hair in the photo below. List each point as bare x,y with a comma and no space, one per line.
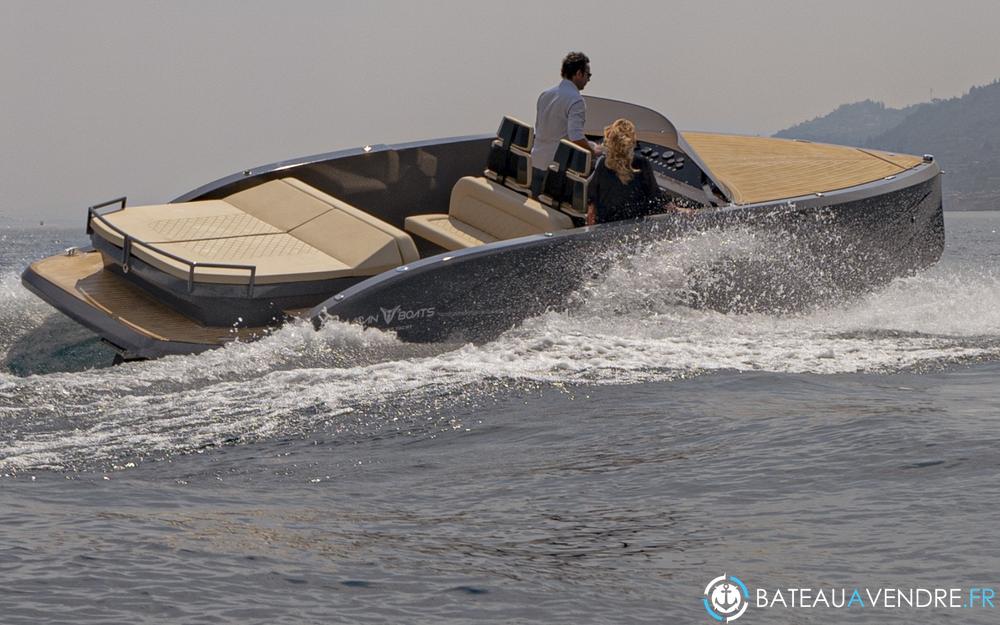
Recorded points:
623,186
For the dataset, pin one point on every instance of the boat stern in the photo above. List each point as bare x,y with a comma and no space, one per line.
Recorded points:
80,284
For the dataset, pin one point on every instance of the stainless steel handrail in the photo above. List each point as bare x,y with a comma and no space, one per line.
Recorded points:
92,211
129,241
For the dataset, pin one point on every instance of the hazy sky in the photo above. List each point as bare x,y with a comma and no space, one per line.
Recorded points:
101,98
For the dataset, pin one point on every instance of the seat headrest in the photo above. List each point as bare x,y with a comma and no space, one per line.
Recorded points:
565,185
514,132
509,161
574,159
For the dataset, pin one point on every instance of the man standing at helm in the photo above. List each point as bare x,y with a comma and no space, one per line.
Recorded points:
561,114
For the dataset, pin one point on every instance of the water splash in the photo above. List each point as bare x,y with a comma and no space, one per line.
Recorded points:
630,325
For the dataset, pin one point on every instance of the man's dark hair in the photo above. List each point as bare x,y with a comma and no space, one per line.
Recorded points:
574,62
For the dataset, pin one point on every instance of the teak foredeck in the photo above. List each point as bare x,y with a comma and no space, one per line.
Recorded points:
763,169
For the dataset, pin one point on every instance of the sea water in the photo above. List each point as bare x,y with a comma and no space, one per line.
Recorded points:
600,465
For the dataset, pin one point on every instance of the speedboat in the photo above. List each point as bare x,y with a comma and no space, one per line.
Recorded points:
440,240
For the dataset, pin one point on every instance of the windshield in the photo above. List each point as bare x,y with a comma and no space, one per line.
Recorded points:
650,125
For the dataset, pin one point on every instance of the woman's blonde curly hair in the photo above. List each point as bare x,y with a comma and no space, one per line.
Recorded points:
619,147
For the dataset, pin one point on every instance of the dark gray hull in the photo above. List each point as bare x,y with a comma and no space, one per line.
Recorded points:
832,247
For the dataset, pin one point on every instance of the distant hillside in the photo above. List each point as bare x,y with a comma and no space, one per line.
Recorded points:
850,124
962,133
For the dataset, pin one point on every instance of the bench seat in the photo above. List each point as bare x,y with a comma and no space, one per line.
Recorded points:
446,231
482,211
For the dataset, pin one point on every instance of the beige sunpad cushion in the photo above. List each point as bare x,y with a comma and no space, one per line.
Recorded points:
289,230
277,257
286,203
358,240
352,235
166,223
481,211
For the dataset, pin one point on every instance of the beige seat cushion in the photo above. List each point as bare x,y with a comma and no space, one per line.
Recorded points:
482,211
287,229
448,232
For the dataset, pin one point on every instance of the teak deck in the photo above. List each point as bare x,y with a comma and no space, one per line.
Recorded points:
83,276
762,169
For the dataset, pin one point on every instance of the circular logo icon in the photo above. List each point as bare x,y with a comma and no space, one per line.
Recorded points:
726,598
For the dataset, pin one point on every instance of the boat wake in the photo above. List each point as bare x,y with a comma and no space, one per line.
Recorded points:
633,324
948,313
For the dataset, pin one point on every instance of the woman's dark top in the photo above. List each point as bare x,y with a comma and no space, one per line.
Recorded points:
614,200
